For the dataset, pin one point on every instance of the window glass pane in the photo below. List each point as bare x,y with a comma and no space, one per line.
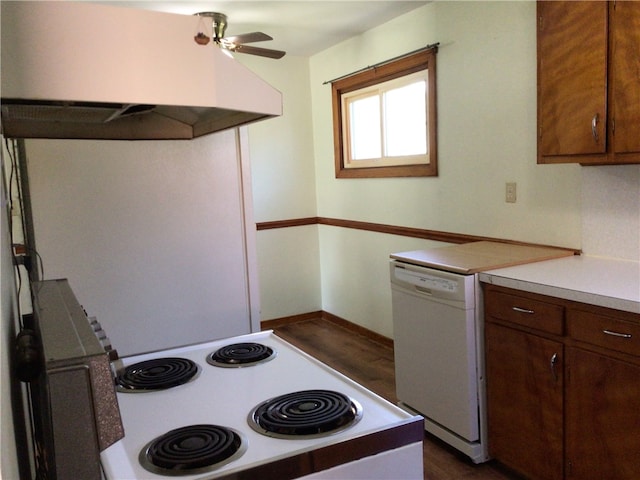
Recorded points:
365,128
405,120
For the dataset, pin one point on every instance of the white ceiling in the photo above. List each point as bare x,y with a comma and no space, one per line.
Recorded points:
300,27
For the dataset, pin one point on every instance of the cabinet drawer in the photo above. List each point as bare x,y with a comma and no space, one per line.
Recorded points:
525,311
604,331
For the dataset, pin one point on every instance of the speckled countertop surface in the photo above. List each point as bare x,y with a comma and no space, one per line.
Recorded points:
599,281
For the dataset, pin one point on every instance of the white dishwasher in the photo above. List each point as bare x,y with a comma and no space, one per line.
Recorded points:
438,330
439,357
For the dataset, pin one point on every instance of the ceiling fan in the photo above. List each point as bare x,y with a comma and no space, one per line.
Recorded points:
235,43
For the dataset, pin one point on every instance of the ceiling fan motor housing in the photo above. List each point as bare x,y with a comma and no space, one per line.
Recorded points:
219,21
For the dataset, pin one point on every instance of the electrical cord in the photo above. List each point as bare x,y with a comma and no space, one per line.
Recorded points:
13,190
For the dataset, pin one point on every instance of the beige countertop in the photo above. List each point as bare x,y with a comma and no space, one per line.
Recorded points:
599,281
475,257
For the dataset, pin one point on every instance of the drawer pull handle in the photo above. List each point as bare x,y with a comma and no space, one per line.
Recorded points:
594,127
523,310
617,334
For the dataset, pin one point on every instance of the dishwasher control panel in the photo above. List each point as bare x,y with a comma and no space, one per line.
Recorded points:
426,280
437,284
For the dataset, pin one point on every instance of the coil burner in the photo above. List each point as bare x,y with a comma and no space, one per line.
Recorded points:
307,413
241,355
192,449
156,374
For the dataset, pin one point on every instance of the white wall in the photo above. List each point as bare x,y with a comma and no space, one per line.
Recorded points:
486,96
486,137
282,166
486,84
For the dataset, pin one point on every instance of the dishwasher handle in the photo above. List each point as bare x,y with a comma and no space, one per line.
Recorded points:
424,290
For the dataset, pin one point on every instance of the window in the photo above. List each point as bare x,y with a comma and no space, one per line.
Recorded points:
385,119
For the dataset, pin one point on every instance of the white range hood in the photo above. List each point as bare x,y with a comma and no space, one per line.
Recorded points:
82,70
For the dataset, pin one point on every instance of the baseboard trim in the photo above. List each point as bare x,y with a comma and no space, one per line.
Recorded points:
279,322
341,322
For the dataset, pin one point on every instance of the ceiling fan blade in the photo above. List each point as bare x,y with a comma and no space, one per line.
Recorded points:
262,52
248,38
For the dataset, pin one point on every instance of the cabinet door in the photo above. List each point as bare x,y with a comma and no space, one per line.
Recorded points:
625,76
524,401
572,79
602,417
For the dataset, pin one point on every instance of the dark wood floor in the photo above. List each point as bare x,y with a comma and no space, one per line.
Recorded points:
371,364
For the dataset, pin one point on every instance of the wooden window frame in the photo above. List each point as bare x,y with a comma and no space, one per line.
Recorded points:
423,60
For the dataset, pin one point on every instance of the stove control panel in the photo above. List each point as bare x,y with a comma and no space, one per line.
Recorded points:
101,335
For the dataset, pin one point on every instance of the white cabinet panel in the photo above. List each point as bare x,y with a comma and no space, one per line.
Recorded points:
151,235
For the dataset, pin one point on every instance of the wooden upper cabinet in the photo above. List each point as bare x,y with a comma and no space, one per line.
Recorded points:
572,79
625,77
588,82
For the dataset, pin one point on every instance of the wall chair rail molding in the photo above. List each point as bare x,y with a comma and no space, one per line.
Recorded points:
434,235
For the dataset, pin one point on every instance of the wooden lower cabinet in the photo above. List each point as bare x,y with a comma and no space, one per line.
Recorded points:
563,387
602,417
524,401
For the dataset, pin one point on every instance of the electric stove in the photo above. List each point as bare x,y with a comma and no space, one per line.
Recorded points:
252,407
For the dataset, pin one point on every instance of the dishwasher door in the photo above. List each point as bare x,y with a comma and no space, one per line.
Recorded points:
435,344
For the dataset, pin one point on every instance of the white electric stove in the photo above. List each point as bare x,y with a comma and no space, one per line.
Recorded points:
363,437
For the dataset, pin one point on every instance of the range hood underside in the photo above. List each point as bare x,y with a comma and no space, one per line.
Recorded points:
115,121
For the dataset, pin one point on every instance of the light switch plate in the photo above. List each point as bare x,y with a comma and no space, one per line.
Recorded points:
510,192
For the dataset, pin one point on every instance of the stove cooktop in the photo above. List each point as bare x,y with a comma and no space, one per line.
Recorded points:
229,397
